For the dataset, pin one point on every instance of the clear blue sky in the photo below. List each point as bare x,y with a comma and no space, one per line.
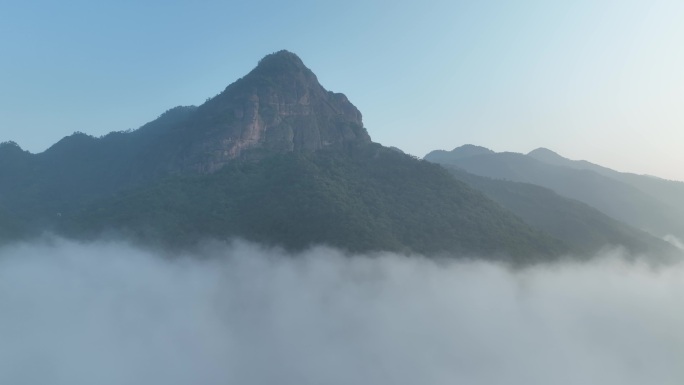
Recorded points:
596,80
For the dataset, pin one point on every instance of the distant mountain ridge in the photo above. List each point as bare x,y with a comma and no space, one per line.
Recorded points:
669,191
569,220
647,203
465,151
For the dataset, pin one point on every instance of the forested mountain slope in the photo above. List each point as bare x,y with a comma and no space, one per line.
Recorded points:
615,198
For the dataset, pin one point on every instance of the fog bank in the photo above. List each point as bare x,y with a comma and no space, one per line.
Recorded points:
674,241
108,313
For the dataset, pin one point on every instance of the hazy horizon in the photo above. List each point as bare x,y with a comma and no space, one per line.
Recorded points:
595,81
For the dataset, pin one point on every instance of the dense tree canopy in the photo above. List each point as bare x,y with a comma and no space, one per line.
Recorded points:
363,199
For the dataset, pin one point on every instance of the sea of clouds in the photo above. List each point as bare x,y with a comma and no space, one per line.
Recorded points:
110,313
674,241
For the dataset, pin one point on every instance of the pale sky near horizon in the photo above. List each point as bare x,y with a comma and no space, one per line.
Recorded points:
595,80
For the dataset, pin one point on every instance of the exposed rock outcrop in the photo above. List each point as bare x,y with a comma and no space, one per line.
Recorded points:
278,107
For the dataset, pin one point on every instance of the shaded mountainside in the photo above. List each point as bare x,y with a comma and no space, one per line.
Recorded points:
365,198
278,107
667,191
577,224
277,159
11,228
615,198
274,158
465,151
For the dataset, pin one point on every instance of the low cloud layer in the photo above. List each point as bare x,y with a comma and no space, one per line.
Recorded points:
674,241
108,313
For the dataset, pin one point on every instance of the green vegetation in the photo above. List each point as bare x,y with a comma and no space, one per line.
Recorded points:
80,169
11,228
583,227
614,197
365,198
277,159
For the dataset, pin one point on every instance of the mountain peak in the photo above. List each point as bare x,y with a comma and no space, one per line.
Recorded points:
543,152
10,144
550,157
277,107
283,65
10,148
464,151
471,149
281,57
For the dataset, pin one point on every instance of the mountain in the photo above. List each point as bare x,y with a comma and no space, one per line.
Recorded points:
278,107
367,198
578,224
465,151
613,196
667,191
274,158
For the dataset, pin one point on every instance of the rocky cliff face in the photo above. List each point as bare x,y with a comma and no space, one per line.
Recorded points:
278,107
